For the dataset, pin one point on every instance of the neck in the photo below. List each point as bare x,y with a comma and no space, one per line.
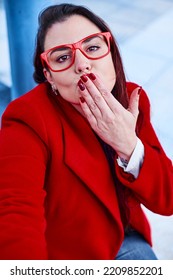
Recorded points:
78,108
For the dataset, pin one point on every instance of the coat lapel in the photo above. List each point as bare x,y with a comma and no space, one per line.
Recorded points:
83,154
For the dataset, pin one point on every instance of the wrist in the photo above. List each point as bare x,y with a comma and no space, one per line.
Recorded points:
128,151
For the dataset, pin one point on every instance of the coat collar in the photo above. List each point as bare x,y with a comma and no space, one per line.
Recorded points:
84,155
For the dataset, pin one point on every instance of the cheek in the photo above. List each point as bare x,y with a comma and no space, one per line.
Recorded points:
63,82
110,67
67,88
65,79
108,74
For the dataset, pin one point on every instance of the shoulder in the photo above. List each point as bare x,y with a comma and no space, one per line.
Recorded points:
36,96
33,109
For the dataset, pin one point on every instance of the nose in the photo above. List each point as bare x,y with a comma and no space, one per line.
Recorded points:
82,63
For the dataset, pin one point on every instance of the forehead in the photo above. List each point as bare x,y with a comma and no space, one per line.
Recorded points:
69,31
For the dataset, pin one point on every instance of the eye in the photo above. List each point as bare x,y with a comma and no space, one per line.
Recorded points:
93,48
63,58
60,55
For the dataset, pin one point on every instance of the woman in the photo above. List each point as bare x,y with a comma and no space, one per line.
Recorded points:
78,154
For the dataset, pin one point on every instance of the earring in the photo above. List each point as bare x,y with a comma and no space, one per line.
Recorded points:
54,89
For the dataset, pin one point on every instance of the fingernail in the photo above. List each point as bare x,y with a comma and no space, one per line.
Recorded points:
84,78
81,85
82,99
92,76
139,90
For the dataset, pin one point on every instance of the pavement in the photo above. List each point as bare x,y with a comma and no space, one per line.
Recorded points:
144,32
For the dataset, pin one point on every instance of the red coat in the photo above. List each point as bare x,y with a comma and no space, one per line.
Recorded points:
57,197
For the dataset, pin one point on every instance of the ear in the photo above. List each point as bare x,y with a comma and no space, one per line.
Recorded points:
48,76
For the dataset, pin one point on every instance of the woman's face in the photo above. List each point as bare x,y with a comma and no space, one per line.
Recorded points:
70,31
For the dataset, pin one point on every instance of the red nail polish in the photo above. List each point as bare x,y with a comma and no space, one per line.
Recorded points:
92,76
81,85
84,78
82,99
139,90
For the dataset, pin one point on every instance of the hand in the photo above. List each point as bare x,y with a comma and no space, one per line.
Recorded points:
114,124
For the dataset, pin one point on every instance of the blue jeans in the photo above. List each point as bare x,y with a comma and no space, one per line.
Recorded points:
135,247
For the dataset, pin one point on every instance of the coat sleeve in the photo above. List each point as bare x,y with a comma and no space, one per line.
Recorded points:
23,156
154,184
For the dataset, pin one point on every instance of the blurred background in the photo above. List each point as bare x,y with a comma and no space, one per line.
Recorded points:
144,33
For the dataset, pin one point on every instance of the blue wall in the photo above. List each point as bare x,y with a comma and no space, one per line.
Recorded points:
22,27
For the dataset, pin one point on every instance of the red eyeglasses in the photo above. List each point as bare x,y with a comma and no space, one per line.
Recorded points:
62,57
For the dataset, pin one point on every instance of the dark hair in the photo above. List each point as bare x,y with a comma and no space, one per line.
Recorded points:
59,13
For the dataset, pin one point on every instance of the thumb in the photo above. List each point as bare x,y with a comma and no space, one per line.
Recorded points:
134,102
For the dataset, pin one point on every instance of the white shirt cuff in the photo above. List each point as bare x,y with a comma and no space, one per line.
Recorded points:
136,160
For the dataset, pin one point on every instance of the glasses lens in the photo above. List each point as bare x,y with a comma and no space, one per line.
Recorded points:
95,47
60,58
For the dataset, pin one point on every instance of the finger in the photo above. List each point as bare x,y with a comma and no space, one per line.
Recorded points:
108,97
84,93
134,102
88,113
95,94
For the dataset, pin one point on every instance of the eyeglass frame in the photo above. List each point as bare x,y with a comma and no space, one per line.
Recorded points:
74,47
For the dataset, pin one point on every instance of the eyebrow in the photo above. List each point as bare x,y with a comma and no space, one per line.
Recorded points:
89,39
59,49
63,47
